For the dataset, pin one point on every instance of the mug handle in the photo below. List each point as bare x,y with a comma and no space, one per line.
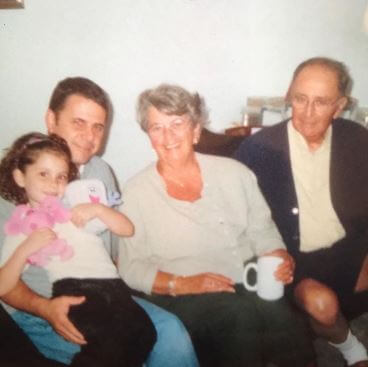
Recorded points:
248,286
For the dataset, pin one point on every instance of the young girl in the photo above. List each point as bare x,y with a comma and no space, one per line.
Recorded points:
117,330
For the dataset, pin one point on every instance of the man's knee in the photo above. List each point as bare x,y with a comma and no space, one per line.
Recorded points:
171,328
318,300
173,346
46,340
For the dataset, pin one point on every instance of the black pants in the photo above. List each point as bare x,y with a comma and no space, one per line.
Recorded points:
117,329
241,330
16,349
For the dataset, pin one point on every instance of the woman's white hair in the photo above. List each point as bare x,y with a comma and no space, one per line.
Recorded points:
172,100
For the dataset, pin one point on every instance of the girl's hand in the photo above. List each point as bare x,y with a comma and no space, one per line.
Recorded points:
38,239
285,270
82,213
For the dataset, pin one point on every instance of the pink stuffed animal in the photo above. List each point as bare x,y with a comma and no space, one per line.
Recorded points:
26,219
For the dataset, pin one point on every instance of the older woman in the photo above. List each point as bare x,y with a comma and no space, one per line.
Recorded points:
198,218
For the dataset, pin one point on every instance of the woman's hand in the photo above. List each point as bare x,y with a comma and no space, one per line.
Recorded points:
203,283
285,270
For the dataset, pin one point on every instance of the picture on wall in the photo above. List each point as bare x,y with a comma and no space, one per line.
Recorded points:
11,4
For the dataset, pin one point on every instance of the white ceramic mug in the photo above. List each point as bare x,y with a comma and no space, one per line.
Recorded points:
267,286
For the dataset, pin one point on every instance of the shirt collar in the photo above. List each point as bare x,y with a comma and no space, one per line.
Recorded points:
297,138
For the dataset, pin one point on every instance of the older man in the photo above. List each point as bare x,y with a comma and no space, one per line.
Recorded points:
313,172
78,112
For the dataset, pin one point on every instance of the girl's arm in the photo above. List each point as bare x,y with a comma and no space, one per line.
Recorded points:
12,269
115,221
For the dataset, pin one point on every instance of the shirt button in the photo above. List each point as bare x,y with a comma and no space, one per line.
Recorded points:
295,211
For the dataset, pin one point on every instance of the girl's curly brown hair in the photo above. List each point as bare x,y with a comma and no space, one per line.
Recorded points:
25,151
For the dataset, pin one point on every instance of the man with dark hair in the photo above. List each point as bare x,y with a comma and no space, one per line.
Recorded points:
78,86
78,112
313,172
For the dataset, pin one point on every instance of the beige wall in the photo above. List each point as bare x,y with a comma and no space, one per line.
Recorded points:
225,49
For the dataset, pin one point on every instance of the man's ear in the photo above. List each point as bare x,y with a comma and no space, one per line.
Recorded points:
50,118
341,104
287,97
18,177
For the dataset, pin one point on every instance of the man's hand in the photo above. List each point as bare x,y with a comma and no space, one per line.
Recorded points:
56,313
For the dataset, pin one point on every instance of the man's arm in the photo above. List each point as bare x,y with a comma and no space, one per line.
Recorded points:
21,297
54,310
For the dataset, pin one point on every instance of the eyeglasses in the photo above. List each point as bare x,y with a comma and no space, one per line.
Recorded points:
176,126
319,104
